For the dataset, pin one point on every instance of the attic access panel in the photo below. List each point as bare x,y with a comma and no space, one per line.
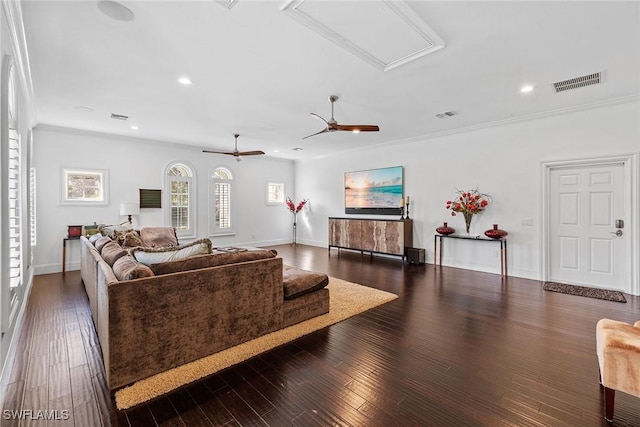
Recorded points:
150,199
384,33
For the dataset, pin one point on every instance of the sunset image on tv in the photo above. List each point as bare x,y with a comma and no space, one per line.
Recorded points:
377,188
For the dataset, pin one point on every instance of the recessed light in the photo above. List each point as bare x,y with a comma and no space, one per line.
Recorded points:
185,81
298,149
85,109
356,131
116,11
526,88
135,127
276,151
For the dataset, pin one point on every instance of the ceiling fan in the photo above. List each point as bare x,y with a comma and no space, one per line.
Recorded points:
332,125
235,153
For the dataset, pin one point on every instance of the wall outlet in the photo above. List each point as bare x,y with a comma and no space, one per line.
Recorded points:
527,222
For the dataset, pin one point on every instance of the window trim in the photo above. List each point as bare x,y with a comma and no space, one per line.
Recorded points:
65,171
270,202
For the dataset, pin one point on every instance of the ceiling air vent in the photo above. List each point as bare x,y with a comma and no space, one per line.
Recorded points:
445,114
578,82
119,116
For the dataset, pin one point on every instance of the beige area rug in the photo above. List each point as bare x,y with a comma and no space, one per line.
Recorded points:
347,300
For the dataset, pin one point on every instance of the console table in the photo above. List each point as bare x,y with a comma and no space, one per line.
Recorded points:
64,252
437,260
384,236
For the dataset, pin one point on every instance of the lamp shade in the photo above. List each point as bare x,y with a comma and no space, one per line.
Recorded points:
129,209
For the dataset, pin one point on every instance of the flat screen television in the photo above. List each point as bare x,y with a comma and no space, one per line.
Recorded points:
374,191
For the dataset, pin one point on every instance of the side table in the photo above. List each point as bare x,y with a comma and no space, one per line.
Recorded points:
64,252
503,249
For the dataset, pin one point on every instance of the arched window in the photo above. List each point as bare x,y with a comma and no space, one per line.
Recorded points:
221,198
181,201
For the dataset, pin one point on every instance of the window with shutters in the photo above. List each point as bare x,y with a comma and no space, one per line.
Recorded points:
12,266
222,189
32,206
181,203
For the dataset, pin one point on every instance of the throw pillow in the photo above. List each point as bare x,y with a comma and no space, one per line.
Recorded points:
129,239
150,256
210,260
158,237
99,244
127,268
111,252
94,237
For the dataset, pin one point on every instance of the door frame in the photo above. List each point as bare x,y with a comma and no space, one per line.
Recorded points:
632,209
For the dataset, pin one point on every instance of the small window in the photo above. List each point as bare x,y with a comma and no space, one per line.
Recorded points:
275,193
84,186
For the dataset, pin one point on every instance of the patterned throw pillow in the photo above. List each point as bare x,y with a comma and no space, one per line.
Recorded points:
99,244
94,237
127,268
150,256
129,238
111,252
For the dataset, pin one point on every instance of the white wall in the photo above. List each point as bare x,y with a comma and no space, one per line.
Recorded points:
133,164
504,161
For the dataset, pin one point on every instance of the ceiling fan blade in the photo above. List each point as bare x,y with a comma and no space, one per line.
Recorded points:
320,118
218,152
358,128
317,133
250,153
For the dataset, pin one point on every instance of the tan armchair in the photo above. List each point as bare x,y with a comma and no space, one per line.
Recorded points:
618,348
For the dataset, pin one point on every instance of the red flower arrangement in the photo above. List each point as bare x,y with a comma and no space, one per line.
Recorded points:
295,208
468,203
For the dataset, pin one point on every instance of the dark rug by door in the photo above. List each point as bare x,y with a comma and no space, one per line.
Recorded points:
584,291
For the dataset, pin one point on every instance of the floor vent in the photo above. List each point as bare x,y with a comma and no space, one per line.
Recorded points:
578,82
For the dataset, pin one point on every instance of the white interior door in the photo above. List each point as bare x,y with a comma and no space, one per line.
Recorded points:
585,203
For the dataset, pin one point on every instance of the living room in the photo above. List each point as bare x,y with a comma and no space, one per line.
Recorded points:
506,150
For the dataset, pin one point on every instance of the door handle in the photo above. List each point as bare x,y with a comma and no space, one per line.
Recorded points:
617,233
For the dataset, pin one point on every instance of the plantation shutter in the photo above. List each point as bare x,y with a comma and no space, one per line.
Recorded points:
223,204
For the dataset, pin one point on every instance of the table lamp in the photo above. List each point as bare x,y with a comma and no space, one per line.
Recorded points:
129,209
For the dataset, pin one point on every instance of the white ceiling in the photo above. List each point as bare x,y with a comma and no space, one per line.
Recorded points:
259,72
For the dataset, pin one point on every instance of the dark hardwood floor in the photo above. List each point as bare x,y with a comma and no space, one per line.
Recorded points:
457,348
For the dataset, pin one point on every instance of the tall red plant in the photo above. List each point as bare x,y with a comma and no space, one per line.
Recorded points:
295,208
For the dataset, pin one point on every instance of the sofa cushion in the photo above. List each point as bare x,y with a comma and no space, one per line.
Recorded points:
111,252
150,256
99,244
158,237
127,268
94,237
297,282
210,260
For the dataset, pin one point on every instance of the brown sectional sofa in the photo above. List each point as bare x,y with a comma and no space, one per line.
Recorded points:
151,324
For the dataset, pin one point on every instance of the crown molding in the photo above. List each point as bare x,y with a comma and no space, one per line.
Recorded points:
13,12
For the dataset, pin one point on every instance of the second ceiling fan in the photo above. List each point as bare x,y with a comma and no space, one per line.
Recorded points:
332,125
235,153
